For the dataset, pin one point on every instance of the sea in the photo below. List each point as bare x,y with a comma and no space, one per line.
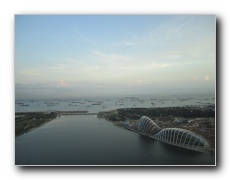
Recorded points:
97,104
86,140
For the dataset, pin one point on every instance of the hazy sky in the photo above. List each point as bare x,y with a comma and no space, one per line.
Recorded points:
64,56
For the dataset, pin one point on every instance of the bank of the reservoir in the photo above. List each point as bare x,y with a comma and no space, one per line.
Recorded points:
200,120
27,121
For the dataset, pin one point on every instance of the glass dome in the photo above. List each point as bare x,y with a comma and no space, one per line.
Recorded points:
146,125
181,137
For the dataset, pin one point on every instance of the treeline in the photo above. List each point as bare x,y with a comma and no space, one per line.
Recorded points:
136,113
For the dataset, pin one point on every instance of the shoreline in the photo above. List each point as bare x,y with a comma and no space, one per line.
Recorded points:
198,120
210,153
27,121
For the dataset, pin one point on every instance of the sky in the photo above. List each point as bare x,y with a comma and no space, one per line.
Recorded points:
97,55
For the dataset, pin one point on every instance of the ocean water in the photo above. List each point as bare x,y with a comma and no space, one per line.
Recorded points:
96,104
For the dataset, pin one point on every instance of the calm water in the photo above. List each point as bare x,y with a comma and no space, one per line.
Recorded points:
88,140
110,103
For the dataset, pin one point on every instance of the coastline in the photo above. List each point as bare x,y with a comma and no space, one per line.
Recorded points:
198,120
27,121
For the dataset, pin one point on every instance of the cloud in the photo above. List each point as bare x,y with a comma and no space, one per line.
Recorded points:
29,86
158,65
132,42
58,67
206,77
137,83
30,72
114,57
61,83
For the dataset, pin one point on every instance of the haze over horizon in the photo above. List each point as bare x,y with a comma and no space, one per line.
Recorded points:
95,55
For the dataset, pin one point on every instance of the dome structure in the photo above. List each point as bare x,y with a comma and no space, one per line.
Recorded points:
146,125
181,137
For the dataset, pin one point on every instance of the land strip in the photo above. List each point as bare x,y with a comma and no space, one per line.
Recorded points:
27,121
200,120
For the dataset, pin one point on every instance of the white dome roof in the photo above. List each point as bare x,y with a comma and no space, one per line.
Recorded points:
146,125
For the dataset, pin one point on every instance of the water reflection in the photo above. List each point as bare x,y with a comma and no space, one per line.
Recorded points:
87,140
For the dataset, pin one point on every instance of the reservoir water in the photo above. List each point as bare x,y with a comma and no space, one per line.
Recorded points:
88,140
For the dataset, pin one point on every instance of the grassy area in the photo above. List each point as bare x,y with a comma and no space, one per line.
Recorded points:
25,122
